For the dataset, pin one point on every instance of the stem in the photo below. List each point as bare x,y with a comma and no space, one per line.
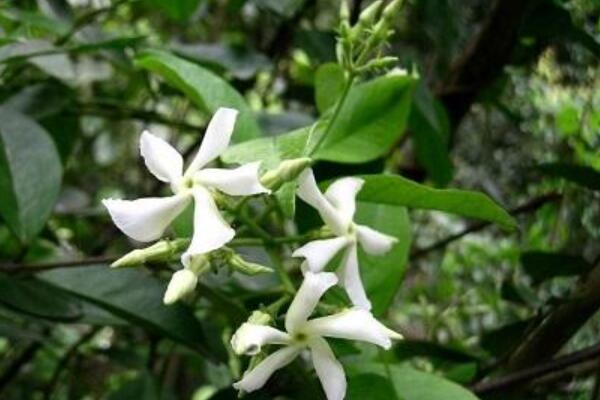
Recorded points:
280,269
336,112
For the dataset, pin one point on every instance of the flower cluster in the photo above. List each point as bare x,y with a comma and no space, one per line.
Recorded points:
147,219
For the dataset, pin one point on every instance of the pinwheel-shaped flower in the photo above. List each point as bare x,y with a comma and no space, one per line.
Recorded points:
146,219
337,207
302,333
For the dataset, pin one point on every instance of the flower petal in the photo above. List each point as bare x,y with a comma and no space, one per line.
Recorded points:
216,138
374,242
161,158
310,193
307,297
146,219
211,231
319,252
183,282
249,338
241,181
329,370
342,194
349,275
353,324
256,378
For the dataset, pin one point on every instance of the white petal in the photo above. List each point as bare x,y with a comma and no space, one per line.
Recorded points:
307,297
211,231
183,282
241,181
342,194
319,252
216,138
249,338
374,242
329,370
256,378
145,219
353,324
161,158
310,193
349,275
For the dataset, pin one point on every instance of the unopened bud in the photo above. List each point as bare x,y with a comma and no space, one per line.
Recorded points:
344,11
246,267
392,9
368,15
380,63
183,283
287,170
259,318
161,251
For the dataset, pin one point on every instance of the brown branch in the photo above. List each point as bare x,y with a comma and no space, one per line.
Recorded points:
529,374
40,267
530,206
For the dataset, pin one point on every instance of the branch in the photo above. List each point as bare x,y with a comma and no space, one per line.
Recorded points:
530,206
536,371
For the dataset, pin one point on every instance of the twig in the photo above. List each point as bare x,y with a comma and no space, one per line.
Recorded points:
537,371
64,361
530,206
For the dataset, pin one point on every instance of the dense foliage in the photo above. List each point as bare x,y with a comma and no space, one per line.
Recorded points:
472,131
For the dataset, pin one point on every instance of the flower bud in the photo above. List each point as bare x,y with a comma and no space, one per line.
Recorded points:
246,267
392,9
161,251
368,15
259,318
344,11
287,170
183,282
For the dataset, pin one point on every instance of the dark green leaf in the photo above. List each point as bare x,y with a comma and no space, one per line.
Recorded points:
204,88
584,176
30,174
329,85
541,266
135,297
396,190
370,386
371,120
502,340
382,275
429,127
407,349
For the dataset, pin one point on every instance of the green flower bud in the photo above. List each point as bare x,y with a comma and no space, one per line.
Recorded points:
344,11
259,318
369,14
392,9
245,267
162,251
287,170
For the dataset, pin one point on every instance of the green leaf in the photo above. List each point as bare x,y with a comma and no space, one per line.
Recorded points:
370,122
407,349
207,90
38,299
178,10
412,384
135,297
541,266
399,191
504,339
30,174
429,127
583,176
382,275
329,85
369,386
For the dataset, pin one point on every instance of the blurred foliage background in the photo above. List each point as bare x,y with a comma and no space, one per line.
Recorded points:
508,104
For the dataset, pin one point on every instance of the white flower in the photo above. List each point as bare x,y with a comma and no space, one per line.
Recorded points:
146,219
302,333
337,208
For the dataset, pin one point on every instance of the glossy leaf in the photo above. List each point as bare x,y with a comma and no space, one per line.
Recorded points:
135,297
399,191
587,177
207,90
30,174
329,84
371,120
382,275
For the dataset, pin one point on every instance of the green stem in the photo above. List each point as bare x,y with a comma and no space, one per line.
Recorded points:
336,112
280,269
